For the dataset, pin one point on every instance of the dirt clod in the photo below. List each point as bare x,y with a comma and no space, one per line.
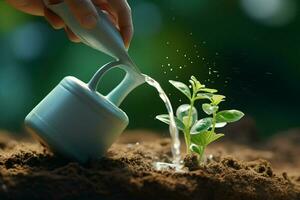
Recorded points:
191,161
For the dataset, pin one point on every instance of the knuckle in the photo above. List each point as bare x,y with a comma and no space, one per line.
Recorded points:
128,8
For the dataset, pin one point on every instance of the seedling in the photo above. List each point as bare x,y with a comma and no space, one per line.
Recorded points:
200,133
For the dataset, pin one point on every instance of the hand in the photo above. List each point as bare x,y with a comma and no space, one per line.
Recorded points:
85,12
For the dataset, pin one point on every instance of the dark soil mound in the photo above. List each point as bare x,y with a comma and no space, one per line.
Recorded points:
28,171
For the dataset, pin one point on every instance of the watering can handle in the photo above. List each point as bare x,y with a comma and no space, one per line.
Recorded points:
131,80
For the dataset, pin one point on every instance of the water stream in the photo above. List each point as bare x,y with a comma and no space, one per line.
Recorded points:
175,142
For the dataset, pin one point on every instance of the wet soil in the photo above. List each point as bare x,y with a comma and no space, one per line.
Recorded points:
235,170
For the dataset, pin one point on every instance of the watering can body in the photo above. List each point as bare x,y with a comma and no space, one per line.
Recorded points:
74,120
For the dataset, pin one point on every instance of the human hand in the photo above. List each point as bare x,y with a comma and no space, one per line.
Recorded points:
85,12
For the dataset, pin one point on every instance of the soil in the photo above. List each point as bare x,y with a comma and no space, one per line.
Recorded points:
234,170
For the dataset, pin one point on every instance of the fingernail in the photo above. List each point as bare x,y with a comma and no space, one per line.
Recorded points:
89,21
125,37
127,45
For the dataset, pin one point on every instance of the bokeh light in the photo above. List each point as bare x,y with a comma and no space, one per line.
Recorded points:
29,40
15,92
147,19
271,12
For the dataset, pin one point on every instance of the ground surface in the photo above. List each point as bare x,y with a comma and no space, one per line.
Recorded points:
238,170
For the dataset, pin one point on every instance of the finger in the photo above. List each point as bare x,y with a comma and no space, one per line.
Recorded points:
84,11
33,7
53,19
71,35
104,6
123,11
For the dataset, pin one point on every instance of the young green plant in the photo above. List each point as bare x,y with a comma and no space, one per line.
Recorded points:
200,133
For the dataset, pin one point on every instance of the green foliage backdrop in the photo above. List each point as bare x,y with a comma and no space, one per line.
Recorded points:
243,48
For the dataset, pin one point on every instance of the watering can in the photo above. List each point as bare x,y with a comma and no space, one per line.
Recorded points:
74,120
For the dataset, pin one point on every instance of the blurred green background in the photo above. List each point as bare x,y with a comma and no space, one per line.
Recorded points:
248,49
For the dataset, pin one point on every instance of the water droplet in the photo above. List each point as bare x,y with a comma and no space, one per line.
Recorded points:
191,62
177,50
184,55
176,77
162,65
203,58
191,33
167,43
217,53
171,69
165,72
180,67
169,64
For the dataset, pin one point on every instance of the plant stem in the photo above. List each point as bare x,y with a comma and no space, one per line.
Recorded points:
187,135
213,122
202,153
187,141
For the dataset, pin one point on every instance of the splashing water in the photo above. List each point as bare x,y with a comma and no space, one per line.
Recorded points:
175,147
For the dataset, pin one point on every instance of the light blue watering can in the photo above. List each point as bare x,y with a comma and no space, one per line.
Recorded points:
74,120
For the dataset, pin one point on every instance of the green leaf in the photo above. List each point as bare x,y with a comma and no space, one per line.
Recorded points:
197,149
205,138
229,116
216,99
201,139
203,96
193,85
209,109
182,88
208,90
213,137
201,125
221,124
183,111
198,85
166,119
